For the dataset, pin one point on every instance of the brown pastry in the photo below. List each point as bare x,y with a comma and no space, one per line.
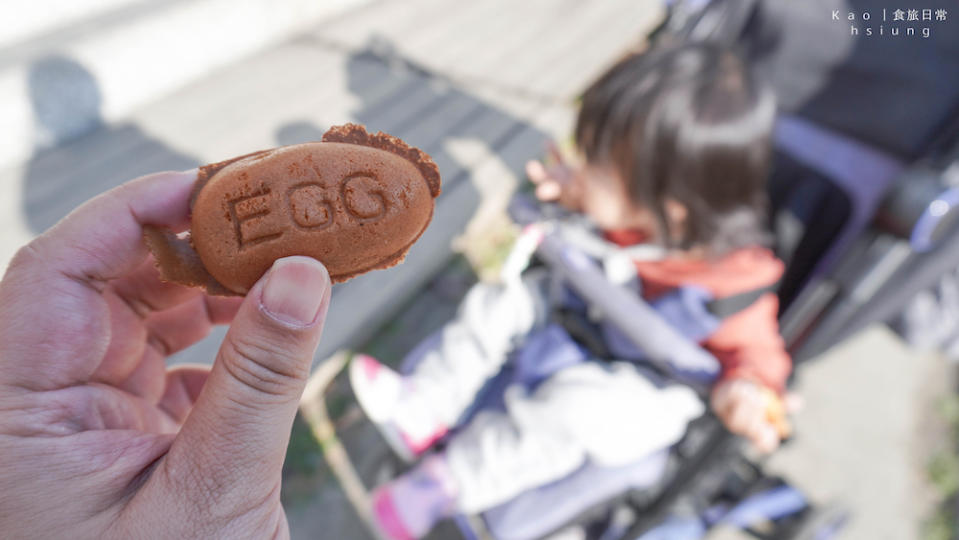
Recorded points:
355,201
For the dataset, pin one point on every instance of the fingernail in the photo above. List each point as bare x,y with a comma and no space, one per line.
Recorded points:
294,290
185,176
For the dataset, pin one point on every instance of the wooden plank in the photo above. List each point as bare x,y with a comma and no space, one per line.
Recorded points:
584,63
440,28
479,135
587,22
515,37
242,120
353,29
46,199
460,40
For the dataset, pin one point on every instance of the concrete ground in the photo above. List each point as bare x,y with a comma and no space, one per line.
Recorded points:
870,426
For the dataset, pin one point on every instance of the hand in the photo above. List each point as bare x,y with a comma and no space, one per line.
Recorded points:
97,438
555,183
752,411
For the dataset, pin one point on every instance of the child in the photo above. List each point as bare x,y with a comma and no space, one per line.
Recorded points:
676,146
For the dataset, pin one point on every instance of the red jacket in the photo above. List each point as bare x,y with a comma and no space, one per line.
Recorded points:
747,344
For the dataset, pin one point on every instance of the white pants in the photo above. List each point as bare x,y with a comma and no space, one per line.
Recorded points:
608,412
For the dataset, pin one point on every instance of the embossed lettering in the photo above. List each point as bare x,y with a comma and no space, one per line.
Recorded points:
312,206
309,207
245,213
362,197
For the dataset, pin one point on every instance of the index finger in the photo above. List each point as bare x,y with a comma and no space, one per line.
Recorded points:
555,153
54,324
103,238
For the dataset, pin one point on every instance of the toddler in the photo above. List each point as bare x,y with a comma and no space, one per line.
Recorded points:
675,147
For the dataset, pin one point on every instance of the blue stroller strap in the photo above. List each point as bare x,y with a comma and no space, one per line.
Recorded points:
664,346
685,309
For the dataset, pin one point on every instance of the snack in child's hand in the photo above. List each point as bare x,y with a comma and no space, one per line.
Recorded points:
776,413
355,201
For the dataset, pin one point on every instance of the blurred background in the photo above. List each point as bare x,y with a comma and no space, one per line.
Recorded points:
96,92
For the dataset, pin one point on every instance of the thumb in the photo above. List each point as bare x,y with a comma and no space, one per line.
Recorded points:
235,438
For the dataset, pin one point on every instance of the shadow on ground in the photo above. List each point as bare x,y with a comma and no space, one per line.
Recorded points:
66,103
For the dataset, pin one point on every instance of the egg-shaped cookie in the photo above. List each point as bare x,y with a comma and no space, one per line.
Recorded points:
355,202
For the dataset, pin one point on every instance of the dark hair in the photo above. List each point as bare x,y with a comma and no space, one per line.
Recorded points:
691,124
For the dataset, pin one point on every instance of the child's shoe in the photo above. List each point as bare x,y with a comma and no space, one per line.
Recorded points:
410,505
407,423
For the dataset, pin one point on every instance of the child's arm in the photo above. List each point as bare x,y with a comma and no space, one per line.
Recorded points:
755,366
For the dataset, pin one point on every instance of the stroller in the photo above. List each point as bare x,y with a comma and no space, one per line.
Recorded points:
872,240
892,231
857,248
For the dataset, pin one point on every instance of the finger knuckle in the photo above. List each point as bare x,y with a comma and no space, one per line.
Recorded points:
24,255
263,365
25,261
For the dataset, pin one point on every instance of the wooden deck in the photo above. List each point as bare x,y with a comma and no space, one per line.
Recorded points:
480,86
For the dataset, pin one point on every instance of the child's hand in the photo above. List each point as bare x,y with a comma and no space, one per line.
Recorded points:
752,411
555,181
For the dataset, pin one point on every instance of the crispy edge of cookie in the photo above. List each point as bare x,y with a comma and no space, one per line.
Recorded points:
179,263
357,134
